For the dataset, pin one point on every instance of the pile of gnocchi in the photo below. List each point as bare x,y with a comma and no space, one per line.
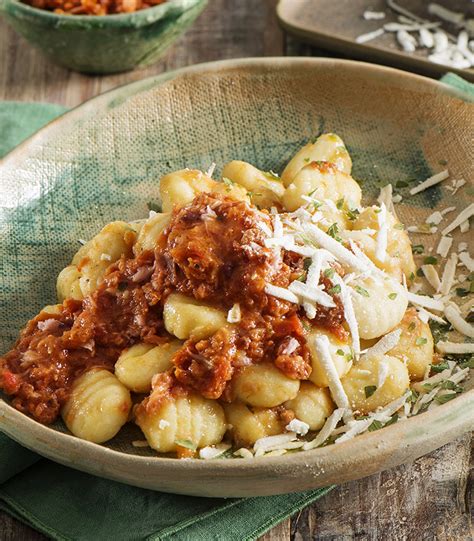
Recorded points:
370,366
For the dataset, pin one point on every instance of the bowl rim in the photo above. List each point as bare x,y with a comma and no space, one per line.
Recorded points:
417,427
136,19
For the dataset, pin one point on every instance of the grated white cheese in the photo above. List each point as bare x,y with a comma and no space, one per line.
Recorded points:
383,372
436,218
211,170
406,40
163,424
431,276
341,253
426,315
462,217
297,426
431,181
464,227
105,257
449,272
462,246
444,246
441,43
244,453
446,14
281,293
467,261
426,38
454,347
382,234
386,197
270,442
312,294
140,443
208,453
291,347
326,430
364,38
321,343
425,302
349,313
234,315
385,344
370,15
454,317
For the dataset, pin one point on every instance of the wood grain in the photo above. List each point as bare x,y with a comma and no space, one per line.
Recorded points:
430,499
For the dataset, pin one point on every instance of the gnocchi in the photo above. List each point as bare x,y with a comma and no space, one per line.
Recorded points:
185,419
263,385
98,407
137,365
252,306
185,318
247,424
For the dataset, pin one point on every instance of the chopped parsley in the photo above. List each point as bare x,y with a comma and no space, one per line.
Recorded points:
340,203
462,292
376,425
392,296
412,276
228,183
399,226
352,214
417,248
430,260
340,352
442,399
187,444
412,326
335,290
333,232
271,175
401,184
362,291
369,390
329,273
420,341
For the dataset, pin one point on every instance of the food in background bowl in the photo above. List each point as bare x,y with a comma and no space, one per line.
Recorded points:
92,7
257,314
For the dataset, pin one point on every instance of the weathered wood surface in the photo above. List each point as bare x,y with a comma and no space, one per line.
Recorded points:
430,499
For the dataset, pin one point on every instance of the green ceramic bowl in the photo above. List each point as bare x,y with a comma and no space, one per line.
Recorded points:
106,44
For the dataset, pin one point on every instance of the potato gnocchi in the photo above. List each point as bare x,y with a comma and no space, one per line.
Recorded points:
251,306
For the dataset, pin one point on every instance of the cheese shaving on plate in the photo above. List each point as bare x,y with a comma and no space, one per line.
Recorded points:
449,272
444,246
454,317
382,234
454,348
467,261
321,343
431,181
234,314
432,276
326,431
385,344
462,217
425,302
281,293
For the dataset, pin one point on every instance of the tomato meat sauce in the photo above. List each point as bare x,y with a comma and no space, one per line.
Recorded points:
214,251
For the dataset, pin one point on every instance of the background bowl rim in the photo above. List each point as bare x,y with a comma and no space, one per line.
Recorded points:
416,426
136,19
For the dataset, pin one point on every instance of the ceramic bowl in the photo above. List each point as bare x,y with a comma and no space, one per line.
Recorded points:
102,162
105,44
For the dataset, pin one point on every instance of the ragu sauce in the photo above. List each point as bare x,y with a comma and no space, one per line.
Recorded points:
212,250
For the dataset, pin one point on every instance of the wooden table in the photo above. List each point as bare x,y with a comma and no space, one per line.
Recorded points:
430,499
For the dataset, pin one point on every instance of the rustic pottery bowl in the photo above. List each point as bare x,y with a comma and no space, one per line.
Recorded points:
102,161
103,44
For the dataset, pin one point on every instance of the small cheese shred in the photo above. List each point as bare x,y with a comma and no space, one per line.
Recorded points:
382,234
467,261
383,372
454,347
431,181
349,313
208,453
297,426
425,301
281,293
334,247
364,38
270,442
432,276
370,15
449,272
444,246
385,344
312,294
454,317
462,217
321,344
234,314
327,430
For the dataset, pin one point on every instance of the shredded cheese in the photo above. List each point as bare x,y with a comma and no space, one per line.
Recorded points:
462,217
314,294
454,317
327,430
208,453
364,38
234,314
383,373
449,272
321,343
431,181
281,293
431,276
467,261
382,234
454,347
444,246
297,426
425,302
385,344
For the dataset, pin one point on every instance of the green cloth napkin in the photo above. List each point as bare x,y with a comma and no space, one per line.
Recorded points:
65,504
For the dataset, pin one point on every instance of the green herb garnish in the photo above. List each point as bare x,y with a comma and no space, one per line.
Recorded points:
420,341
187,444
369,390
352,214
340,352
329,273
335,290
340,203
376,425
417,248
333,232
430,260
462,292
362,291
442,399
392,296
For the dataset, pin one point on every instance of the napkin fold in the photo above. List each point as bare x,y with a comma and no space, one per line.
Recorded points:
69,505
